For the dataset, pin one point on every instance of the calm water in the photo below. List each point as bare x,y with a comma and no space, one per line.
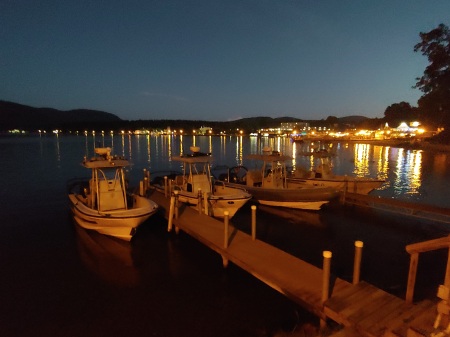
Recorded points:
59,280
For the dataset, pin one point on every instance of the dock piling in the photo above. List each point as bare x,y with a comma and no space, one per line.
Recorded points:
253,222
141,188
199,202
171,212
225,221
205,203
225,237
165,186
177,209
146,180
357,262
326,280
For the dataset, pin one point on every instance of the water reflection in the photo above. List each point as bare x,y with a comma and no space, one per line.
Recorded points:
148,149
107,258
239,151
58,153
383,161
404,170
408,172
440,164
361,160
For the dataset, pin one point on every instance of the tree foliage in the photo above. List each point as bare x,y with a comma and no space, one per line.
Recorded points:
400,112
435,82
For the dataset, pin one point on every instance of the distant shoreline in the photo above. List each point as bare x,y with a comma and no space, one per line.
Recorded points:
416,145
420,145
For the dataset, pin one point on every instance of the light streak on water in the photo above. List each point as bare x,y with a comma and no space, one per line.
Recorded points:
408,172
383,161
361,160
148,149
239,150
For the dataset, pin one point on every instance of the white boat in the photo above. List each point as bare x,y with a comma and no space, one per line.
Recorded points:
322,175
195,183
102,203
268,184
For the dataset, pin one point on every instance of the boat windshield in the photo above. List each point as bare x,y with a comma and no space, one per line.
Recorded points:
109,174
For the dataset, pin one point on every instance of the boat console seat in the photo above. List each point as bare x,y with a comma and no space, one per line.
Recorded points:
199,181
110,195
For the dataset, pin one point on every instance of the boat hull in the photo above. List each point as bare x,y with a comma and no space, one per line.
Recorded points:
121,224
344,184
224,199
300,197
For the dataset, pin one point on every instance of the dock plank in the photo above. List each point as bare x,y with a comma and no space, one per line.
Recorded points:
289,275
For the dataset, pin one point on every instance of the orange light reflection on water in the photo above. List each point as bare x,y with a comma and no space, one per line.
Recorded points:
383,161
408,171
362,160
239,150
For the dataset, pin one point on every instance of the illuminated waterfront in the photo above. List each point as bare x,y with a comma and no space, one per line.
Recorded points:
412,175
58,281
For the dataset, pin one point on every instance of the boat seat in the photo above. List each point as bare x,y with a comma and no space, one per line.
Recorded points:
199,181
111,196
254,178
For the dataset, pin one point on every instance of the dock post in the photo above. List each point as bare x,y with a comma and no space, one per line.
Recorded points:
143,179
177,210
141,188
326,280
199,202
413,262
171,211
253,222
225,221
205,203
146,185
165,186
148,179
357,262
176,192
225,237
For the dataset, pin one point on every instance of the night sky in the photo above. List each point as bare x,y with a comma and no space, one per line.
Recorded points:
215,60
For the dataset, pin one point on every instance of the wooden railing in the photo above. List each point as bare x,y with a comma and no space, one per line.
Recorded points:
421,247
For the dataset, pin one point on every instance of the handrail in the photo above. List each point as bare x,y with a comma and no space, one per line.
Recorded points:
426,246
422,247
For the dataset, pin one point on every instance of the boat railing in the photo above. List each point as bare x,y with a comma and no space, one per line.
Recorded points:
414,250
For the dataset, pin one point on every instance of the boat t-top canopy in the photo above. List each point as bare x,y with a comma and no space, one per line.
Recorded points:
105,160
193,159
269,156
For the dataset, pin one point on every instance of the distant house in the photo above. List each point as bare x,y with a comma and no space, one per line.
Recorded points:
205,130
298,126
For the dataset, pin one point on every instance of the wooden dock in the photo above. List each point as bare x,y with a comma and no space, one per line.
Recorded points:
362,309
296,279
365,310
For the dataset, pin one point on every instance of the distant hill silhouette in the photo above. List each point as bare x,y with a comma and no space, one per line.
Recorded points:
23,117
